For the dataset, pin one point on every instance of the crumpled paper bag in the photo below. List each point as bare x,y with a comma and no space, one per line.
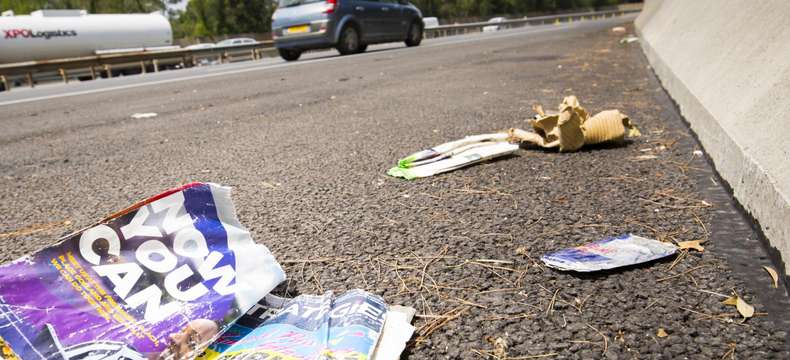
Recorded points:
572,127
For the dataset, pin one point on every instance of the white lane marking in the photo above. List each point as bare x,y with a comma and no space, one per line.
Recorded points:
473,38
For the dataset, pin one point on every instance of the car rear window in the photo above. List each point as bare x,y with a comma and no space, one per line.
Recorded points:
288,3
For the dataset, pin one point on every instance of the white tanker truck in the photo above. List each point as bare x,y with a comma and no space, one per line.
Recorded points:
57,34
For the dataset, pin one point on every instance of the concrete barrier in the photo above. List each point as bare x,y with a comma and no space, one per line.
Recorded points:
727,65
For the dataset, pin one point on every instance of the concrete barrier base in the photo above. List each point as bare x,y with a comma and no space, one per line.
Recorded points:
727,66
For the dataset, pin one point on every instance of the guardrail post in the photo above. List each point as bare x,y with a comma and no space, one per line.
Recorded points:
63,75
93,72
142,67
108,69
156,65
30,79
5,83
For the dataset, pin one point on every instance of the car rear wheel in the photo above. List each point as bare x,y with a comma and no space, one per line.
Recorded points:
414,37
349,41
290,54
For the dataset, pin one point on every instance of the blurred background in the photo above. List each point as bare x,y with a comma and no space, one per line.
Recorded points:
198,21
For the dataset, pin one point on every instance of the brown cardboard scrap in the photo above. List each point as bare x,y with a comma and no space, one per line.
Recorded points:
609,125
572,127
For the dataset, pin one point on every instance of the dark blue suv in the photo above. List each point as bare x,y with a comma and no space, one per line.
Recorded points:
348,25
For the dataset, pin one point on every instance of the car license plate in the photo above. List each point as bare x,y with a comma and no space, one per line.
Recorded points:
299,29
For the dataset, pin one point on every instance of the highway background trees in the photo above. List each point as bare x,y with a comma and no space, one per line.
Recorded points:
209,19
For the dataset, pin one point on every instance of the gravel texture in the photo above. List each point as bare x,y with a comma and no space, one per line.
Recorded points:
306,149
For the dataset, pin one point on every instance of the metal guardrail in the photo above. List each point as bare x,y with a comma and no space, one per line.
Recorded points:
99,65
447,30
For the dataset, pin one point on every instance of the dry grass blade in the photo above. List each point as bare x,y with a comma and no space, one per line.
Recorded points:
553,301
317,282
467,302
428,328
678,259
510,317
730,353
539,356
774,276
674,206
486,264
514,289
484,191
681,274
310,261
605,339
34,229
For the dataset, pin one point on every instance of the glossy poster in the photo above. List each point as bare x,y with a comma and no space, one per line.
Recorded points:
161,279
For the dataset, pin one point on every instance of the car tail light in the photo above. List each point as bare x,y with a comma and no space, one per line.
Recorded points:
331,6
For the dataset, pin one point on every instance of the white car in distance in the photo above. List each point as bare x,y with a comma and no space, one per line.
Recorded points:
430,22
236,41
492,28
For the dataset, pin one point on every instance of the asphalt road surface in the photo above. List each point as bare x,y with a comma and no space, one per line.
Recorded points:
306,146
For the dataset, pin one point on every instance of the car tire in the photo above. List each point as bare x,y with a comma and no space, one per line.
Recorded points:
414,37
362,48
349,41
290,54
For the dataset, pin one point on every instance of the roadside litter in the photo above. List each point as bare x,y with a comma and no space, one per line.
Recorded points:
569,130
572,127
609,253
449,149
176,276
431,162
629,39
313,327
160,279
397,332
618,29
144,115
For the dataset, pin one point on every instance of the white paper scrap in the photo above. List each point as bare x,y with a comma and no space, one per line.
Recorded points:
465,158
397,332
144,115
